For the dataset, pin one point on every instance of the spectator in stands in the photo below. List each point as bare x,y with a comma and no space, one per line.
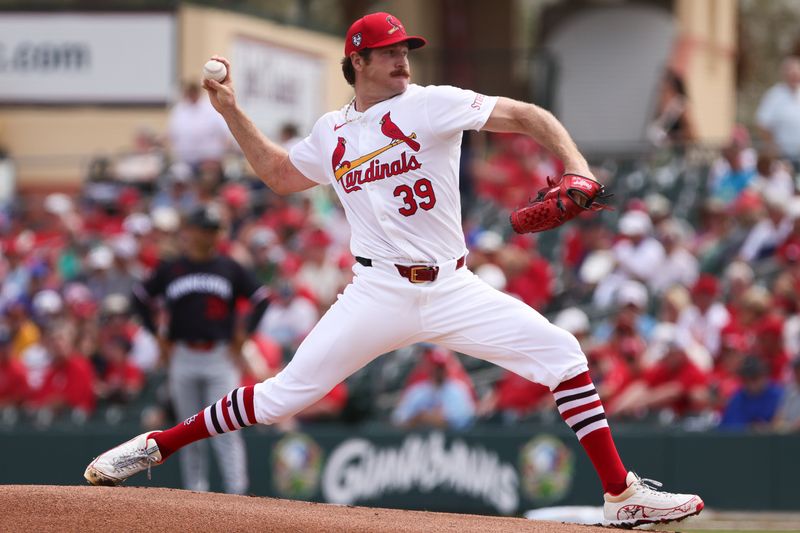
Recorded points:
754,405
576,321
778,114
673,124
529,276
119,380
757,305
266,254
631,313
47,307
512,171
728,181
706,317
103,275
263,358
16,282
774,177
24,331
710,245
617,363
663,337
116,322
638,256
438,399
771,230
488,254
176,190
514,398
680,266
673,384
290,316
788,417
69,378
485,248
197,133
738,278
319,272
786,289
14,388
768,346
672,304
725,379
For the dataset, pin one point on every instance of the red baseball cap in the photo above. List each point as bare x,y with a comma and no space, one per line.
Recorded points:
377,30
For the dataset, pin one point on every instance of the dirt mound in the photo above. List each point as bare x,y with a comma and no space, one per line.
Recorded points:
58,508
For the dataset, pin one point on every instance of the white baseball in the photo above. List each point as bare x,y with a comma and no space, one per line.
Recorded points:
214,70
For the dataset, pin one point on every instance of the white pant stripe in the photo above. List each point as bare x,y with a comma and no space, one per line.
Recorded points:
577,403
242,410
220,417
591,427
574,419
207,420
561,394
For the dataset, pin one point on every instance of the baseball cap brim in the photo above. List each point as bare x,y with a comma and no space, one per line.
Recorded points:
413,41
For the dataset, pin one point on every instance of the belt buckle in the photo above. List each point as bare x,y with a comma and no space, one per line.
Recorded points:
413,272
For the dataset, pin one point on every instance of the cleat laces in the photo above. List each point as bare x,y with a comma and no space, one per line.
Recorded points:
130,463
650,485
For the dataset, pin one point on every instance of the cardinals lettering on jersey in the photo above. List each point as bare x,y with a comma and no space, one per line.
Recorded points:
368,168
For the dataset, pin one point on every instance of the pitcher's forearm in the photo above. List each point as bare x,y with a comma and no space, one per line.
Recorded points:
550,133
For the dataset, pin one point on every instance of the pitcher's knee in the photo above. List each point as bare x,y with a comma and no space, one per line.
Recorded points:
571,359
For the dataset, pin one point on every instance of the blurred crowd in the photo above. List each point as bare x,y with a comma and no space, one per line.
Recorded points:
686,315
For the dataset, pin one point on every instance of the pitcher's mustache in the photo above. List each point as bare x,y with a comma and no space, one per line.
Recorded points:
401,72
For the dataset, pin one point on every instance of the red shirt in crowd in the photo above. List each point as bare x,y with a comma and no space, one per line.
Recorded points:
687,375
725,384
13,382
515,393
123,376
534,286
68,382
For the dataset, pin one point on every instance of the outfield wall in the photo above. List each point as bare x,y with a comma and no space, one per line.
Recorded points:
490,470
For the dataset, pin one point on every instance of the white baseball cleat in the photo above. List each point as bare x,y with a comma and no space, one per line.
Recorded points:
641,503
129,458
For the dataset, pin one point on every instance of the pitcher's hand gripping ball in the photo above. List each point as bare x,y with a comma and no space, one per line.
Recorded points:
215,70
561,201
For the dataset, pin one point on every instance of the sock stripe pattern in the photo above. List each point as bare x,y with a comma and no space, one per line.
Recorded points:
231,412
581,409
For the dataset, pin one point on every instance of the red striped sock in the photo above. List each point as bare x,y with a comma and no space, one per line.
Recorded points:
581,408
233,411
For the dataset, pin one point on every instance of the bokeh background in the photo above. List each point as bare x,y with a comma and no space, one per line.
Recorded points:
685,298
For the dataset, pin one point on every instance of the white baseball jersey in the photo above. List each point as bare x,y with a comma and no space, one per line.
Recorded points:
395,169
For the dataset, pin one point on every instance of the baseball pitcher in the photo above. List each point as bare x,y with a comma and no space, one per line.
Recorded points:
391,154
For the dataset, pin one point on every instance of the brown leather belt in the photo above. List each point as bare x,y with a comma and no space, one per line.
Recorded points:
416,273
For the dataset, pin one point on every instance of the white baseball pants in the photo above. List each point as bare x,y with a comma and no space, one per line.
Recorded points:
381,311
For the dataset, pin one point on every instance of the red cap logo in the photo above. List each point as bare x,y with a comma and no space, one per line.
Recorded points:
377,30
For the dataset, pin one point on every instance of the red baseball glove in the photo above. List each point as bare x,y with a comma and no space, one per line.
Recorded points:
560,201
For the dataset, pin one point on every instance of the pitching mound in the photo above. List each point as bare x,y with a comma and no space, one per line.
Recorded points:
51,508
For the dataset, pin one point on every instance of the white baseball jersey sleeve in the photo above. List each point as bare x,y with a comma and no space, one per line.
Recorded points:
395,170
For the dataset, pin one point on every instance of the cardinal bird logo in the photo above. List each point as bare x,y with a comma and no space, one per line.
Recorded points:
342,167
391,130
338,154
396,26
